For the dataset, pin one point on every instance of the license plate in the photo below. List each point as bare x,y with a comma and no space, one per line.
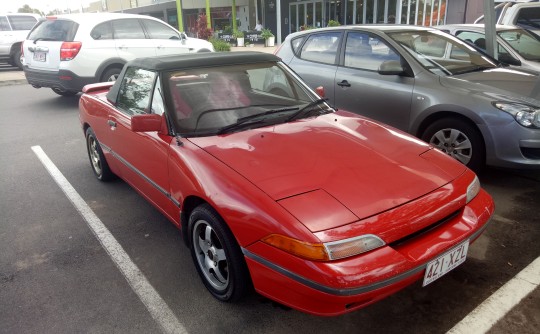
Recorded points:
40,56
446,262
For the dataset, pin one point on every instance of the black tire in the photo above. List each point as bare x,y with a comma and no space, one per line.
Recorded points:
111,74
16,60
217,257
64,92
97,159
459,139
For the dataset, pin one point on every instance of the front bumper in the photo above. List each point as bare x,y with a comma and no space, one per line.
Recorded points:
62,79
512,146
338,287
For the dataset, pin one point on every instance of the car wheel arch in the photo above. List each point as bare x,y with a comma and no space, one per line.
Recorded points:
188,205
453,116
436,112
107,65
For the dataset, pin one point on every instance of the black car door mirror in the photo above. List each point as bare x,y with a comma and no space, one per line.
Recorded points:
508,59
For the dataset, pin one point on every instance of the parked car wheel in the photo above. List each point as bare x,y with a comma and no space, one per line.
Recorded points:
64,92
458,139
17,60
97,159
111,74
217,256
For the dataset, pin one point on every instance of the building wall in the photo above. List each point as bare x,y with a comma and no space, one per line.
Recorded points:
457,11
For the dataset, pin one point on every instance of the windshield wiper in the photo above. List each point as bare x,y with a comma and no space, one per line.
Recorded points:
246,120
305,109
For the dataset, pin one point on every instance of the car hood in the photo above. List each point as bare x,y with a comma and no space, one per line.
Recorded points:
500,83
366,167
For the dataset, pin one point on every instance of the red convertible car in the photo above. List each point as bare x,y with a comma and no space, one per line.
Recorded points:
272,189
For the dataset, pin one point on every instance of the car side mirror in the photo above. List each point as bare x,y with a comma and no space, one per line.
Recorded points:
147,123
320,90
391,67
508,59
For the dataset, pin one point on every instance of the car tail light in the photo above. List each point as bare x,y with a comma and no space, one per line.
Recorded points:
69,50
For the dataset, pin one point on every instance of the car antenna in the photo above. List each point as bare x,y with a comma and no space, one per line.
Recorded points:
178,141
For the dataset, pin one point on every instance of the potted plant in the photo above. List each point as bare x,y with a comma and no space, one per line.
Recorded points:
268,36
239,35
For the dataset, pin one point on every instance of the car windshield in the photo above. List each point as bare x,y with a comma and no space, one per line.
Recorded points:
524,42
441,53
218,100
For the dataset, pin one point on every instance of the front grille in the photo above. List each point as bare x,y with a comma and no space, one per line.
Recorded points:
425,230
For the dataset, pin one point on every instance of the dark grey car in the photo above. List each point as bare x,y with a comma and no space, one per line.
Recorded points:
429,84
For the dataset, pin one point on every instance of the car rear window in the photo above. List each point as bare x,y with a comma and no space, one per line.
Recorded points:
54,30
22,22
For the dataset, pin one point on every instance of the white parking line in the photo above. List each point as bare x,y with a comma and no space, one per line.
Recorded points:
482,319
157,307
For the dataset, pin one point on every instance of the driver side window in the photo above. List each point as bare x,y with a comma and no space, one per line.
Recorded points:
367,52
160,31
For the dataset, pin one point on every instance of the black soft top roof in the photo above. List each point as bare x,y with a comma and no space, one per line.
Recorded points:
191,60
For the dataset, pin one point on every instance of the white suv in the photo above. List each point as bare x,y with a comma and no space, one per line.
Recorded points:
66,52
13,31
523,13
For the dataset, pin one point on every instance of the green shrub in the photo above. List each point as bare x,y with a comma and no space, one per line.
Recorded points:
220,45
333,23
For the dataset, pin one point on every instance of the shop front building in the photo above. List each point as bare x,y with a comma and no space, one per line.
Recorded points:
283,17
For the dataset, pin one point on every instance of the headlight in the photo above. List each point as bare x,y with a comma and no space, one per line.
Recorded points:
473,189
325,251
525,115
353,246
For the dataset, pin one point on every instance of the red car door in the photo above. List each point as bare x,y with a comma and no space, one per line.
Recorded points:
143,155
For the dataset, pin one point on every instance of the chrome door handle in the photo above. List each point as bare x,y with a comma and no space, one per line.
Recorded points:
344,83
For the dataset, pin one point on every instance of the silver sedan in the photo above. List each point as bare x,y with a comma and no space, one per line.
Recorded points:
428,83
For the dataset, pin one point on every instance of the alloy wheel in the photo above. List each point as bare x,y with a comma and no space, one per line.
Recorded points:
94,154
454,143
211,257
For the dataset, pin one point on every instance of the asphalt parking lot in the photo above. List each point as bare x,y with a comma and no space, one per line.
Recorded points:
57,277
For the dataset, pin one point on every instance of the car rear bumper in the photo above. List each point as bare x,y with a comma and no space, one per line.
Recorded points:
338,287
62,79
